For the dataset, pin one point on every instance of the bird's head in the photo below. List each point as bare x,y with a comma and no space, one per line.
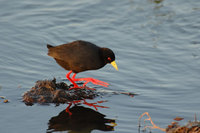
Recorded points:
109,57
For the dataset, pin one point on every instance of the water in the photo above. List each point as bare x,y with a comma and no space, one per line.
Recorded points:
156,45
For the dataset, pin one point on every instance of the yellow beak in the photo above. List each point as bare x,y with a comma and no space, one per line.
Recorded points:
114,65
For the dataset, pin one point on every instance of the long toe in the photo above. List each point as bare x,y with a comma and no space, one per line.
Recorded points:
92,80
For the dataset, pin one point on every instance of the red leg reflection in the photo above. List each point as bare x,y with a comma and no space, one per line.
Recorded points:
86,103
94,104
67,109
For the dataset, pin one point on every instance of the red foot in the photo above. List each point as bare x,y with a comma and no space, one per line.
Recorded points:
82,87
92,80
87,80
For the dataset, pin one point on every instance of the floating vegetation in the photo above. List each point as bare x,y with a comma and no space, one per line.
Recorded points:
174,127
157,1
4,99
48,91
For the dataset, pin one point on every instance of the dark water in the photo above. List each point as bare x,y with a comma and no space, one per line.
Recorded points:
157,46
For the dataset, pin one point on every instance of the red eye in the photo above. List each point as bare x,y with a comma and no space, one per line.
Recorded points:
109,58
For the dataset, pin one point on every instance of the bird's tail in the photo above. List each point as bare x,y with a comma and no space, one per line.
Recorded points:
49,49
49,46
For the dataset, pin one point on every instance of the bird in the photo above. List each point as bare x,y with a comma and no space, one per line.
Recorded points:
79,56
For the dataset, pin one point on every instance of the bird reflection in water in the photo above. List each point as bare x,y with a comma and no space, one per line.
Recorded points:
82,120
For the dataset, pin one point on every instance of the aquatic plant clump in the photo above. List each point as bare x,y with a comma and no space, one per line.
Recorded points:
174,127
48,91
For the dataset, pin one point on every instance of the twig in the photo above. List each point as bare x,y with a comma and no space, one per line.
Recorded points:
149,119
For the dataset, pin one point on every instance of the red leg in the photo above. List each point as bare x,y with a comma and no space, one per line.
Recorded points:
67,109
72,81
92,80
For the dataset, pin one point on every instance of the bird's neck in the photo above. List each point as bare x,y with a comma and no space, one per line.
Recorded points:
103,55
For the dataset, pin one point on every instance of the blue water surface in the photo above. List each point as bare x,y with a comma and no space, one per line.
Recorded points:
157,48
